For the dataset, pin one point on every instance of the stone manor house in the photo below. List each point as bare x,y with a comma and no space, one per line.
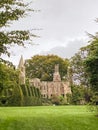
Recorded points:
47,88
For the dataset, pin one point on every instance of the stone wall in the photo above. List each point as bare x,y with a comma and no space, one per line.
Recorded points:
48,89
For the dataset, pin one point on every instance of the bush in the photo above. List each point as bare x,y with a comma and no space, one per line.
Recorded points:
93,105
32,101
46,102
17,97
55,100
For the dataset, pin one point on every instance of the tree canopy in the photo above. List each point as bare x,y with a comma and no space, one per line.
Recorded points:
91,63
11,10
42,67
78,73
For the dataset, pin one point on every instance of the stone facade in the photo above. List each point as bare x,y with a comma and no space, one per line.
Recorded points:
47,88
55,87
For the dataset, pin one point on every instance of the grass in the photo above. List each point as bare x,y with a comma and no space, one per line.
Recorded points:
47,118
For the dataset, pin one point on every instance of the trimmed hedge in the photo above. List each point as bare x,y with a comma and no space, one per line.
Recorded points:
21,96
32,98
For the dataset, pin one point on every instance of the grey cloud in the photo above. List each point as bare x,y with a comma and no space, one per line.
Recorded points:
60,20
68,51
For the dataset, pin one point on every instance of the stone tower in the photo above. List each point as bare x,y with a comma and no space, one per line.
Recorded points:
21,68
56,75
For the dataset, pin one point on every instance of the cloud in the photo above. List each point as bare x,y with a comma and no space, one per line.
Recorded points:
67,51
64,49
60,21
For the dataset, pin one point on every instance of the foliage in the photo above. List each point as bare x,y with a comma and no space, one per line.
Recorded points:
46,102
77,95
42,67
77,72
80,95
63,100
32,101
11,93
58,100
31,95
12,10
55,100
9,85
91,65
88,94
93,105
68,98
80,76
16,99
8,76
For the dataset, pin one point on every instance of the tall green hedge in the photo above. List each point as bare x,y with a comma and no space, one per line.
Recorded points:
32,96
21,96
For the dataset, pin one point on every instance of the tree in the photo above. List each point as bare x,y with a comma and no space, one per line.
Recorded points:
42,67
81,94
8,83
11,10
91,63
77,69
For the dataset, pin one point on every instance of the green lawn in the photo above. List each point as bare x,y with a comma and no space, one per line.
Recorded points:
47,118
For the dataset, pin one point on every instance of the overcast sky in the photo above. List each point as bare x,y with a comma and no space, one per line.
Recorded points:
61,24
